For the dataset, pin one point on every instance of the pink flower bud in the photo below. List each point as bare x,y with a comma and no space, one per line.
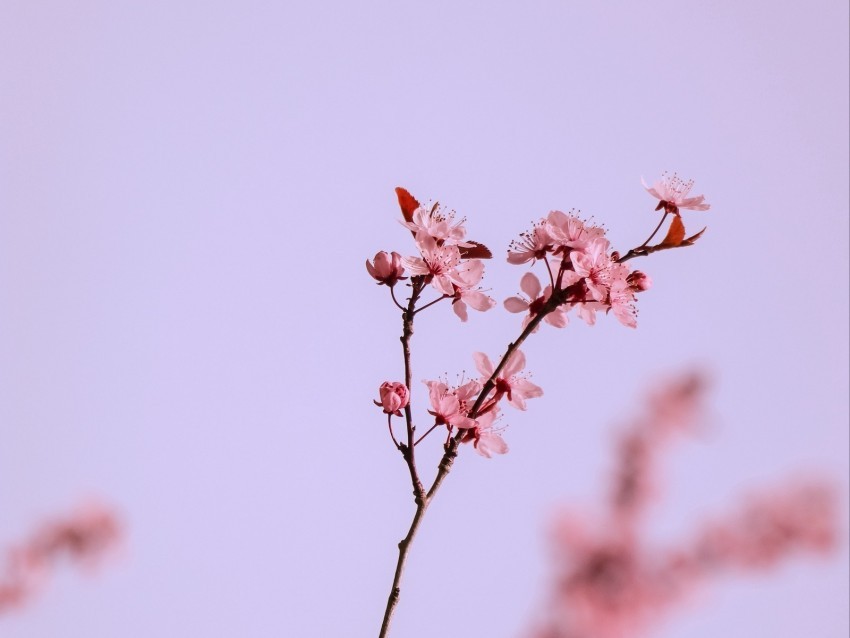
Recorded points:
394,397
387,268
639,281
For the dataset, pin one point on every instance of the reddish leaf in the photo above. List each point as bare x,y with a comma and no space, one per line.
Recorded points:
690,240
675,234
407,202
476,251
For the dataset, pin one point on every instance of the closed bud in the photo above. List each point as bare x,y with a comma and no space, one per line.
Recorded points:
386,268
394,397
639,281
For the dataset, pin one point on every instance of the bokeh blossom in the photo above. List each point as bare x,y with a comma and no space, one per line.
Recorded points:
84,537
611,581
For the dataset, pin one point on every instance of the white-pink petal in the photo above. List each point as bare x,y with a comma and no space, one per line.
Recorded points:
530,285
515,304
490,443
483,363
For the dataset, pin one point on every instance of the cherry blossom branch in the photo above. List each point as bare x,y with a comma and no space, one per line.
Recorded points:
643,251
589,278
403,549
417,284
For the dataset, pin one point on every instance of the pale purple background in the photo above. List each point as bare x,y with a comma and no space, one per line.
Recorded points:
189,191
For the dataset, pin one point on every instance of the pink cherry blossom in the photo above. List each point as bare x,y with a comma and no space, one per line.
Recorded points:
530,285
531,245
570,231
437,223
394,397
387,268
451,405
593,263
672,193
486,439
510,382
439,262
470,272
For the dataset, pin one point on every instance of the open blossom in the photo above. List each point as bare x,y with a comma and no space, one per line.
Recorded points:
672,192
387,268
450,406
470,272
485,437
510,382
394,397
569,231
439,262
594,264
436,223
530,285
531,246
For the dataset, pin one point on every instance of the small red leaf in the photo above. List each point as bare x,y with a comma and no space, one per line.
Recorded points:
407,202
675,234
476,251
690,240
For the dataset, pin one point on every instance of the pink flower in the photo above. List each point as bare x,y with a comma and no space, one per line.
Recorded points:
436,223
531,246
570,231
672,192
510,382
451,405
530,285
439,262
394,397
486,439
470,272
594,264
387,268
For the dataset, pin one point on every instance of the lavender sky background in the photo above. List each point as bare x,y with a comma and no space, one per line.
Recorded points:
188,191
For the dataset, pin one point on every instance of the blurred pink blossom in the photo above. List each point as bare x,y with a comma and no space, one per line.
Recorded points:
610,581
84,537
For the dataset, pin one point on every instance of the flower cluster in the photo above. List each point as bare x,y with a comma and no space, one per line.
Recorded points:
446,260
583,272
455,407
